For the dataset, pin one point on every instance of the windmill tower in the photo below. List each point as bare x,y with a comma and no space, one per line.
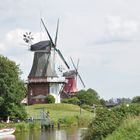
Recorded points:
71,76
43,79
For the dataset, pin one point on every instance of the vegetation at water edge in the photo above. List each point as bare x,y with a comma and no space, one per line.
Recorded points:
129,130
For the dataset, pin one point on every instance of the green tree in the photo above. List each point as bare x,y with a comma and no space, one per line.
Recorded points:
136,99
12,90
103,102
88,97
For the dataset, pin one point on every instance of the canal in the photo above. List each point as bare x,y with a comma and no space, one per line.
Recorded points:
56,134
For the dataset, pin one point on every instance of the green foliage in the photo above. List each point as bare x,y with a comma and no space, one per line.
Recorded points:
129,130
34,126
136,99
68,121
12,90
50,99
106,121
103,102
88,97
73,100
87,107
22,126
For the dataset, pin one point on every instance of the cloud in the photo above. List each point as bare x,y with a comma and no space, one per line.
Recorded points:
118,29
2,47
15,49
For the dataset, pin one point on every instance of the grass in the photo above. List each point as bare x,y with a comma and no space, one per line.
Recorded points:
129,130
67,114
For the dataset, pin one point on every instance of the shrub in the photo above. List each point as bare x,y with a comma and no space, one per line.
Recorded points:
106,121
68,121
129,130
136,99
73,100
50,99
64,100
87,107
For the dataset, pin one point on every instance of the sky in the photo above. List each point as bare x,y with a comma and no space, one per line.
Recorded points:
103,34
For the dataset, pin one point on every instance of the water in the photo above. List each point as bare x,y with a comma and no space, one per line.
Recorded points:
61,134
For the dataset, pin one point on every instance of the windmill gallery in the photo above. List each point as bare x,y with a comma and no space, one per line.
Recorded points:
43,78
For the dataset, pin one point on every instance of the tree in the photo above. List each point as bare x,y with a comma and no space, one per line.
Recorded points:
12,90
88,97
136,99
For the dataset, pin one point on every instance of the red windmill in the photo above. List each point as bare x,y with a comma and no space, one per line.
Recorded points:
70,87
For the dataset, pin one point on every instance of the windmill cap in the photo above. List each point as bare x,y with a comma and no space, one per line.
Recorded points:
70,73
42,45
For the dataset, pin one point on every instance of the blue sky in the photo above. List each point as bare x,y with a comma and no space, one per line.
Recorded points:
103,34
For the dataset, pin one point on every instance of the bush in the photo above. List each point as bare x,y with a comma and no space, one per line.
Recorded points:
87,107
129,130
68,121
106,121
64,100
136,99
50,99
73,100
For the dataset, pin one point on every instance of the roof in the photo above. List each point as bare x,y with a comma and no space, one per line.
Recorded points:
42,45
69,74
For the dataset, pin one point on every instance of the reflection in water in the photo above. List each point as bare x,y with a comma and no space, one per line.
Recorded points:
62,134
7,137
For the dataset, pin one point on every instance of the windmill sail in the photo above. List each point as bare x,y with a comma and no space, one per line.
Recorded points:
54,45
78,73
56,32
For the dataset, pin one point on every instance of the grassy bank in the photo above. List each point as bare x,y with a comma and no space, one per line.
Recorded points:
129,130
66,114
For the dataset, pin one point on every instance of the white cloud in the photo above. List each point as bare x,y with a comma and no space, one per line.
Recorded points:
2,47
119,28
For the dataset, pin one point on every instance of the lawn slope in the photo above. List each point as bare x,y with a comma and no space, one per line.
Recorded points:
67,114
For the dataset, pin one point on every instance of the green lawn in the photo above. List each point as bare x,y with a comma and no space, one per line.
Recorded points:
60,111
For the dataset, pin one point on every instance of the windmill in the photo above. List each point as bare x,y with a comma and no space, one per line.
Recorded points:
70,88
43,79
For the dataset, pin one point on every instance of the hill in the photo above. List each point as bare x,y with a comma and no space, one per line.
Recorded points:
66,114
